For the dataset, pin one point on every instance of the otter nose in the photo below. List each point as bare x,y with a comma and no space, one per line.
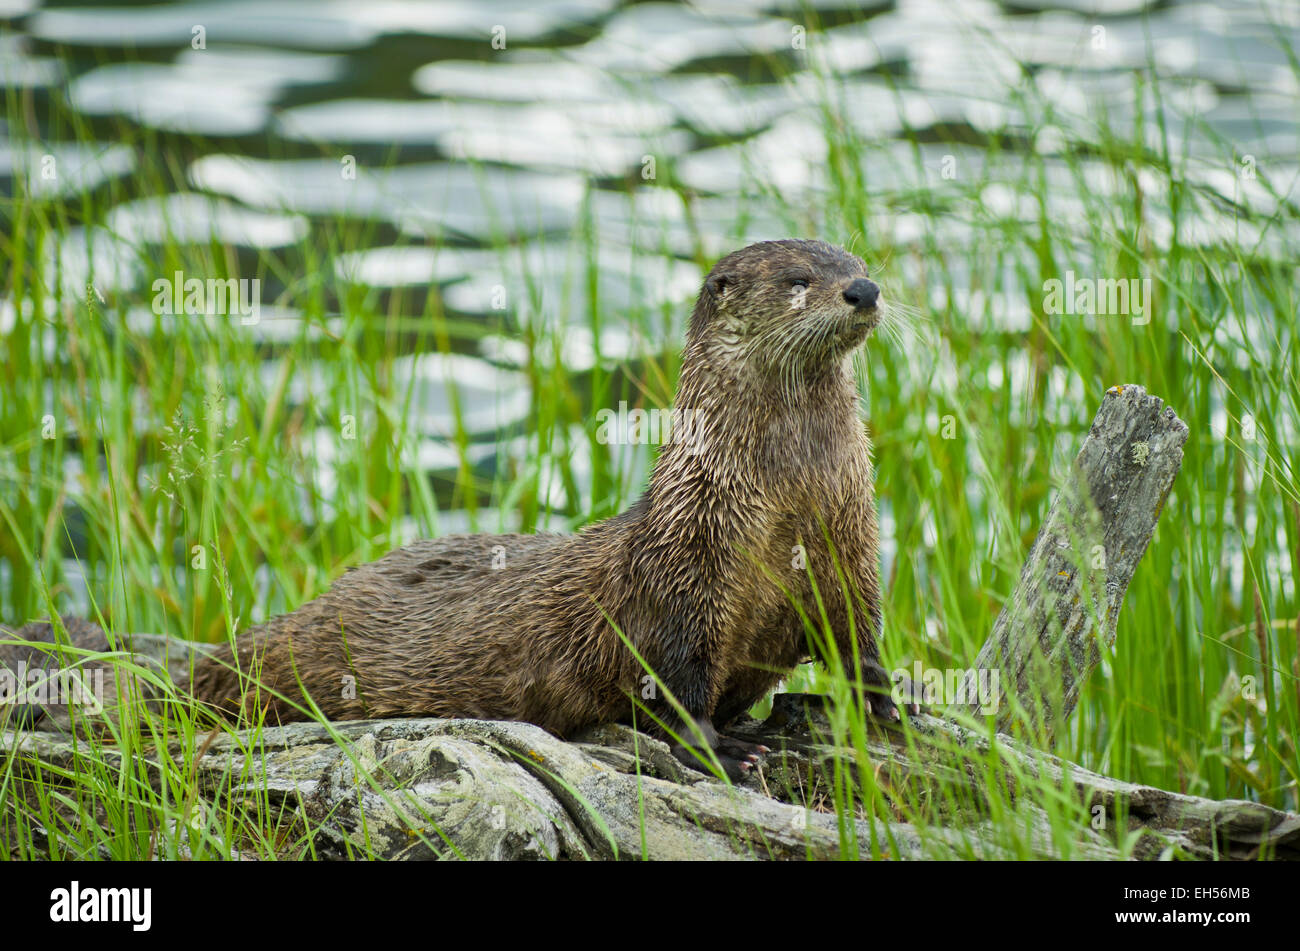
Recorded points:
862,294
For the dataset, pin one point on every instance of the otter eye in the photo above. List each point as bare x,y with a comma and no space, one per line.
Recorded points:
799,282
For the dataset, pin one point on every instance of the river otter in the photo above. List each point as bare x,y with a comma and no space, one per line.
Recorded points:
768,492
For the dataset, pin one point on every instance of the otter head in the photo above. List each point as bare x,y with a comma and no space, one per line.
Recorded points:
786,309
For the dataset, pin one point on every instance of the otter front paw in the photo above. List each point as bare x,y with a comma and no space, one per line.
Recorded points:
736,757
748,754
881,707
884,707
884,697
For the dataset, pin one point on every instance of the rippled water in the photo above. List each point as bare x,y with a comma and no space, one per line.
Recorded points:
452,146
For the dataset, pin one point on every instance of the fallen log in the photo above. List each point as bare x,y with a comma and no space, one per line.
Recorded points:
430,788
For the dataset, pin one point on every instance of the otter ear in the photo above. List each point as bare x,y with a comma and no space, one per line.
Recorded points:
717,284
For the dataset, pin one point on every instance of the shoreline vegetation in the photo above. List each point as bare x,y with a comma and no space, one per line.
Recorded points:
193,475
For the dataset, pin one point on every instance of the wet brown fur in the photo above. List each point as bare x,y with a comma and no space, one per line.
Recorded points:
692,573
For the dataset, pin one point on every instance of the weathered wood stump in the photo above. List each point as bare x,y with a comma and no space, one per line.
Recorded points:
1045,642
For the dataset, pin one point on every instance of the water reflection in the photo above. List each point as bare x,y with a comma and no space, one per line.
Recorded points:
672,132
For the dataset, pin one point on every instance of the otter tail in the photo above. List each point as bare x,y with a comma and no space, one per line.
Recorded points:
222,679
